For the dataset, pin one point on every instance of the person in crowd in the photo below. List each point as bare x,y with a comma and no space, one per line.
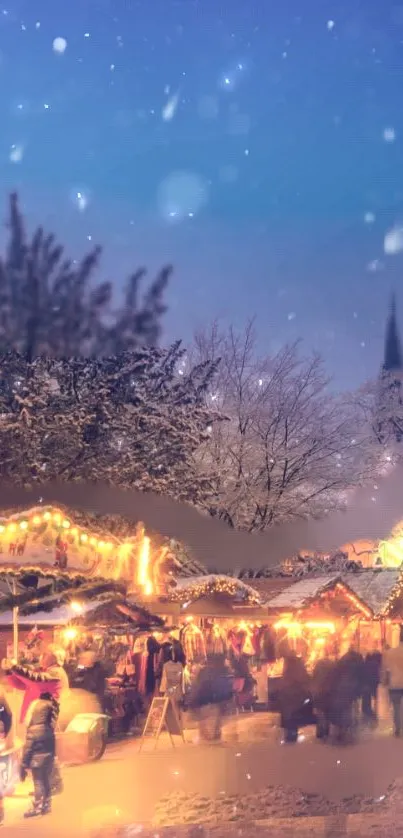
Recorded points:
244,683
345,694
52,677
295,698
40,751
211,693
322,689
90,675
371,680
6,720
392,677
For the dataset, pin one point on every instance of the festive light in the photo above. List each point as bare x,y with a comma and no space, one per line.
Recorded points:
211,585
143,572
70,633
55,520
76,606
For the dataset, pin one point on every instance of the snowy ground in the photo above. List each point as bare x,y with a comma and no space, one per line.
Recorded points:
250,776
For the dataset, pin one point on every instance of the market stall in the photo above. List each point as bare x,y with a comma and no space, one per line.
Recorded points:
56,558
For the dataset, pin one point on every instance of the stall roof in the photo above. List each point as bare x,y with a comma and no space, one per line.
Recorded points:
375,587
110,610
210,585
267,588
302,593
58,617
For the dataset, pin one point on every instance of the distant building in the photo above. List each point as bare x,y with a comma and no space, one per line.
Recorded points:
389,408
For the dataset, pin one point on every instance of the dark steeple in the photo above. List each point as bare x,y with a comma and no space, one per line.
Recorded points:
393,351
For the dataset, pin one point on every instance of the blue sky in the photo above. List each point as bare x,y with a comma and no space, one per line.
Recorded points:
257,147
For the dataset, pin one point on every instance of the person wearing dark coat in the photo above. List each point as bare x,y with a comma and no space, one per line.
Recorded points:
371,680
346,691
90,675
212,690
294,697
40,751
322,687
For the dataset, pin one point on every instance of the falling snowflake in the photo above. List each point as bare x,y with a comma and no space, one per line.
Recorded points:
16,153
393,241
291,315
170,108
369,217
181,195
59,45
389,135
330,25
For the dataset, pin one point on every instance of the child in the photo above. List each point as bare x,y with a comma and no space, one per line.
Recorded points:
39,752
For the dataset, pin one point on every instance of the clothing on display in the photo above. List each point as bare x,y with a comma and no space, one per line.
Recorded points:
193,644
216,641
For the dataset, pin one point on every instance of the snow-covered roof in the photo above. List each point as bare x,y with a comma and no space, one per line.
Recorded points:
302,592
210,583
58,617
374,587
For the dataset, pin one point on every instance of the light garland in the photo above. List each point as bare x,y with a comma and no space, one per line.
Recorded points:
395,595
224,585
116,554
20,524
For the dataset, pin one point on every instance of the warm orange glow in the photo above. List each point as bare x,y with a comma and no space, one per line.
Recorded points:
143,571
76,606
135,557
70,633
296,628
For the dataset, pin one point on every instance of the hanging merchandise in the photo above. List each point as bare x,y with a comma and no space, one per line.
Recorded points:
216,642
193,643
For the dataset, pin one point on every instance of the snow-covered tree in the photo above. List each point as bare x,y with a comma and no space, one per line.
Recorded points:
50,305
290,448
129,421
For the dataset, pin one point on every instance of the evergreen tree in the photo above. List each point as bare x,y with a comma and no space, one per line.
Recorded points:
49,306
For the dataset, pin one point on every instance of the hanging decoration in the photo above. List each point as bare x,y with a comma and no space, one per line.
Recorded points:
54,542
190,590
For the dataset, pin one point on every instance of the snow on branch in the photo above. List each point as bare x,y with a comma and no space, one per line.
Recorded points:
129,421
290,447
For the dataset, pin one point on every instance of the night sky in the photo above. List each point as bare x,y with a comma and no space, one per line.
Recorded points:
255,145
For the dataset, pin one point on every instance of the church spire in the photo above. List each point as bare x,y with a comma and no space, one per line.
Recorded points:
393,352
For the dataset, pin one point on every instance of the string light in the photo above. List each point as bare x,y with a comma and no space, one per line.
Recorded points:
151,565
211,585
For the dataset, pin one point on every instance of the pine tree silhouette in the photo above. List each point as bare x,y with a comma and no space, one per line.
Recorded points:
49,306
